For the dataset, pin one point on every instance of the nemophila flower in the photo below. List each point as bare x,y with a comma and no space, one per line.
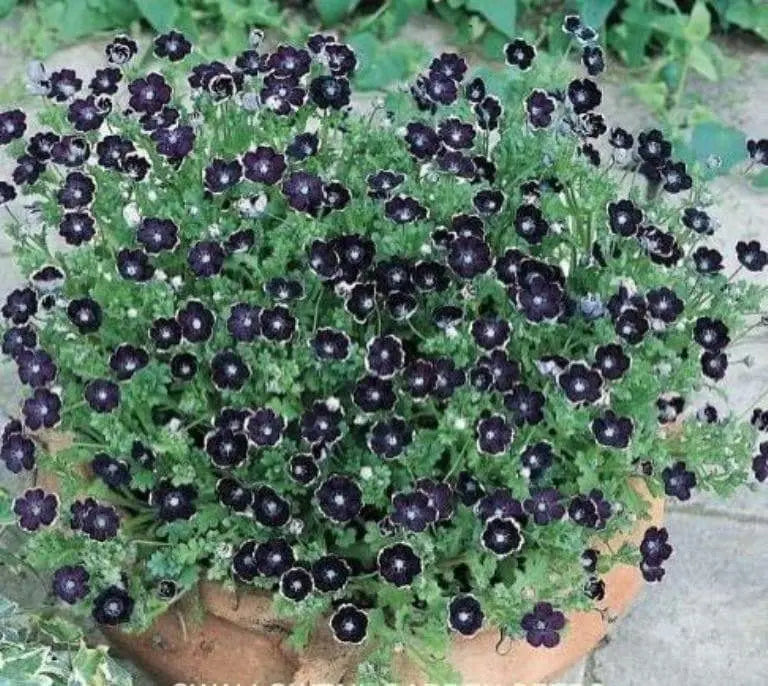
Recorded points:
653,147
85,314
149,94
221,175
382,183
593,60
70,151
530,224
277,324
675,177
758,150
499,503
128,359
654,547
751,255
264,427
403,209
331,344
27,170
174,143
584,95
226,448
519,54
423,141
448,378
340,58
165,118
581,384
711,334
456,163
384,356
760,463
420,377
621,139
302,146
612,430
41,144
98,522
173,502
678,481
525,404
469,257
330,92
389,438
670,407
112,149
165,332
491,332
372,394
229,371
17,452
105,81
536,459
714,364
664,305
468,488
18,338
121,50
296,584
70,583
157,234
349,624
475,90
269,508
240,241
13,124
339,498
172,45
303,191
196,321
63,84
282,95
330,573
42,409
465,615
447,317
440,89
488,202
631,325
244,322
112,606
287,61
35,508
502,536
35,367
611,361
7,192
494,435
539,107
456,134
591,153
234,495
545,505
86,114
206,258
134,265
320,423
303,469
413,511
102,395
77,191
398,564
441,497
624,217
114,473
698,220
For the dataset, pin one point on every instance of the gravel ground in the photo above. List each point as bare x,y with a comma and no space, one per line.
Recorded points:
708,621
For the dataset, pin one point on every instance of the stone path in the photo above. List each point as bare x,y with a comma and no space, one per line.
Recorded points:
707,622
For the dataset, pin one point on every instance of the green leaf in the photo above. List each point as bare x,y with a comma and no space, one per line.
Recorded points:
6,6
380,64
26,664
501,14
713,138
699,23
595,12
653,94
702,62
161,14
334,11
749,16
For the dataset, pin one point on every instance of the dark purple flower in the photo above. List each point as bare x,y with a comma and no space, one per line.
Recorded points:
349,624
296,584
389,438
303,469
494,435
581,384
584,95
172,45
536,459
269,508
17,452
41,144
398,564
539,106
173,502
751,255
77,191
282,95
714,364
183,366
330,91
760,462
70,583
233,495
502,536
530,224
149,94
157,234
174,143
104,81
42,410
86,114
35,367
678,481
206,258
18,338
220,175
519,54
102,395
63,85
413,511
320,423
653,148
654,547
112,606
465,615
612,431
70,151
303,191
288,61
593,60
330,573
114,473
423,141
7,192
469,257
128,359
85,314
243,322
339,498
264,427
165,333
229,371
611,361
277,324
27,170
13,124
545,505
340,58
196,321
542,625
134,265
35,508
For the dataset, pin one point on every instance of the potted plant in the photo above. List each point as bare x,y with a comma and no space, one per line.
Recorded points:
318,395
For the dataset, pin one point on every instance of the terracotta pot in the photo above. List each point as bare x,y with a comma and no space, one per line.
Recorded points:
239,640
